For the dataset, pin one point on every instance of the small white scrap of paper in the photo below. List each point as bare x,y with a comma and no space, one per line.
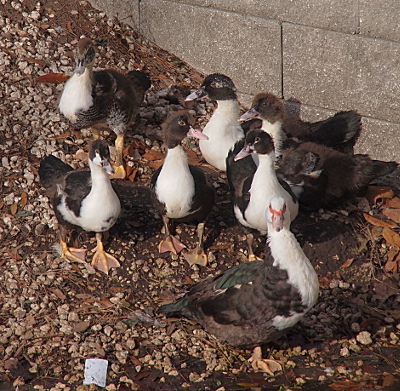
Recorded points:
95,371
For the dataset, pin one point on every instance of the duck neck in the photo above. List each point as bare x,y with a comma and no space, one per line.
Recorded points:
276,132
228,111
100,179
289,256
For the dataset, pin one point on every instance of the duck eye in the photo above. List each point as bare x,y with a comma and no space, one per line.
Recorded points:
213,84
181,122
257,139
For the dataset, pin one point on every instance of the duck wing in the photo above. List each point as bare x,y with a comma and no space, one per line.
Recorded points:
51,170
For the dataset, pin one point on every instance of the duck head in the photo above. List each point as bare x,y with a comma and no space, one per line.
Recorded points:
178,126
84,56
216,86
99,155
265,106
277,214
257,141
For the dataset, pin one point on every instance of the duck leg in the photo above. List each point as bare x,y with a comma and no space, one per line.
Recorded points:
102,260
70,254
170,242
263,365
198,256
251,256
120,172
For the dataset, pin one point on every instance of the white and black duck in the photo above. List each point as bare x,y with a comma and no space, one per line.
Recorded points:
181,191
83,199
255,302
102,98
223,130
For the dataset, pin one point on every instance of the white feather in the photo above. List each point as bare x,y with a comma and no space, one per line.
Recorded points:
175,184
223,131
76,96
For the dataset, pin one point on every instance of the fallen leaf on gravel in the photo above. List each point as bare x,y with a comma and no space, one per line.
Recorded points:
81,326
391,237
393,264
152,155
131,173
385,289
347,385
375,194
59,294
24,199
324,282
379,223
388,380
192,158
347,263
13,253
14,208
392,213
56,78
1,205
393,203
39,62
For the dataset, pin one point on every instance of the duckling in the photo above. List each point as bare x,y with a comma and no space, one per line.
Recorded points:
322,177
339,132
256,302
181,192
223,130
83,199
102,98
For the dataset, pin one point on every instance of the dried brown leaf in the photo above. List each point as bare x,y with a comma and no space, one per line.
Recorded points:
346,385
379,223
393,203
39,62
14,254
392,214
131,173
2,204
24,199
391,237
56,78
14,209
59,294
81,326
192,158
376,194
347,263
152,155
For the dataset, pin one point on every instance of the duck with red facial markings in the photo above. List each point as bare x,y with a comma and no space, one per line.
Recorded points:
181,192
83,199
255,302
102,98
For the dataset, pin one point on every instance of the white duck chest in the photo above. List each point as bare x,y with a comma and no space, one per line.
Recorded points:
175,184
76,96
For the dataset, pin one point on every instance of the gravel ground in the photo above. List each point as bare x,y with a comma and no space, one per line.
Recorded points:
54,314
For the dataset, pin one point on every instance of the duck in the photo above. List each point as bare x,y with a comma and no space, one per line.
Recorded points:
341,131
180,190
324,178
223,130
105,98
250,196
254,303
85,200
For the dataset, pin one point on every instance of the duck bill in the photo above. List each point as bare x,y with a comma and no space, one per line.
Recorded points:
277,221
80,66
248,115
197,134
199,93
108,167
246,151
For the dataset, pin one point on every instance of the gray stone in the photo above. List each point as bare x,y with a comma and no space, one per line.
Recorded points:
380,19
340,71
246,48
338,15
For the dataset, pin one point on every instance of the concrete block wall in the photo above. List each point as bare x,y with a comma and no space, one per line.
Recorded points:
330,55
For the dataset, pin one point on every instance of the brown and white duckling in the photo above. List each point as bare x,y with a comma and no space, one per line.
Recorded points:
181,192
83,199
255,302
340,131
223,130
102,98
